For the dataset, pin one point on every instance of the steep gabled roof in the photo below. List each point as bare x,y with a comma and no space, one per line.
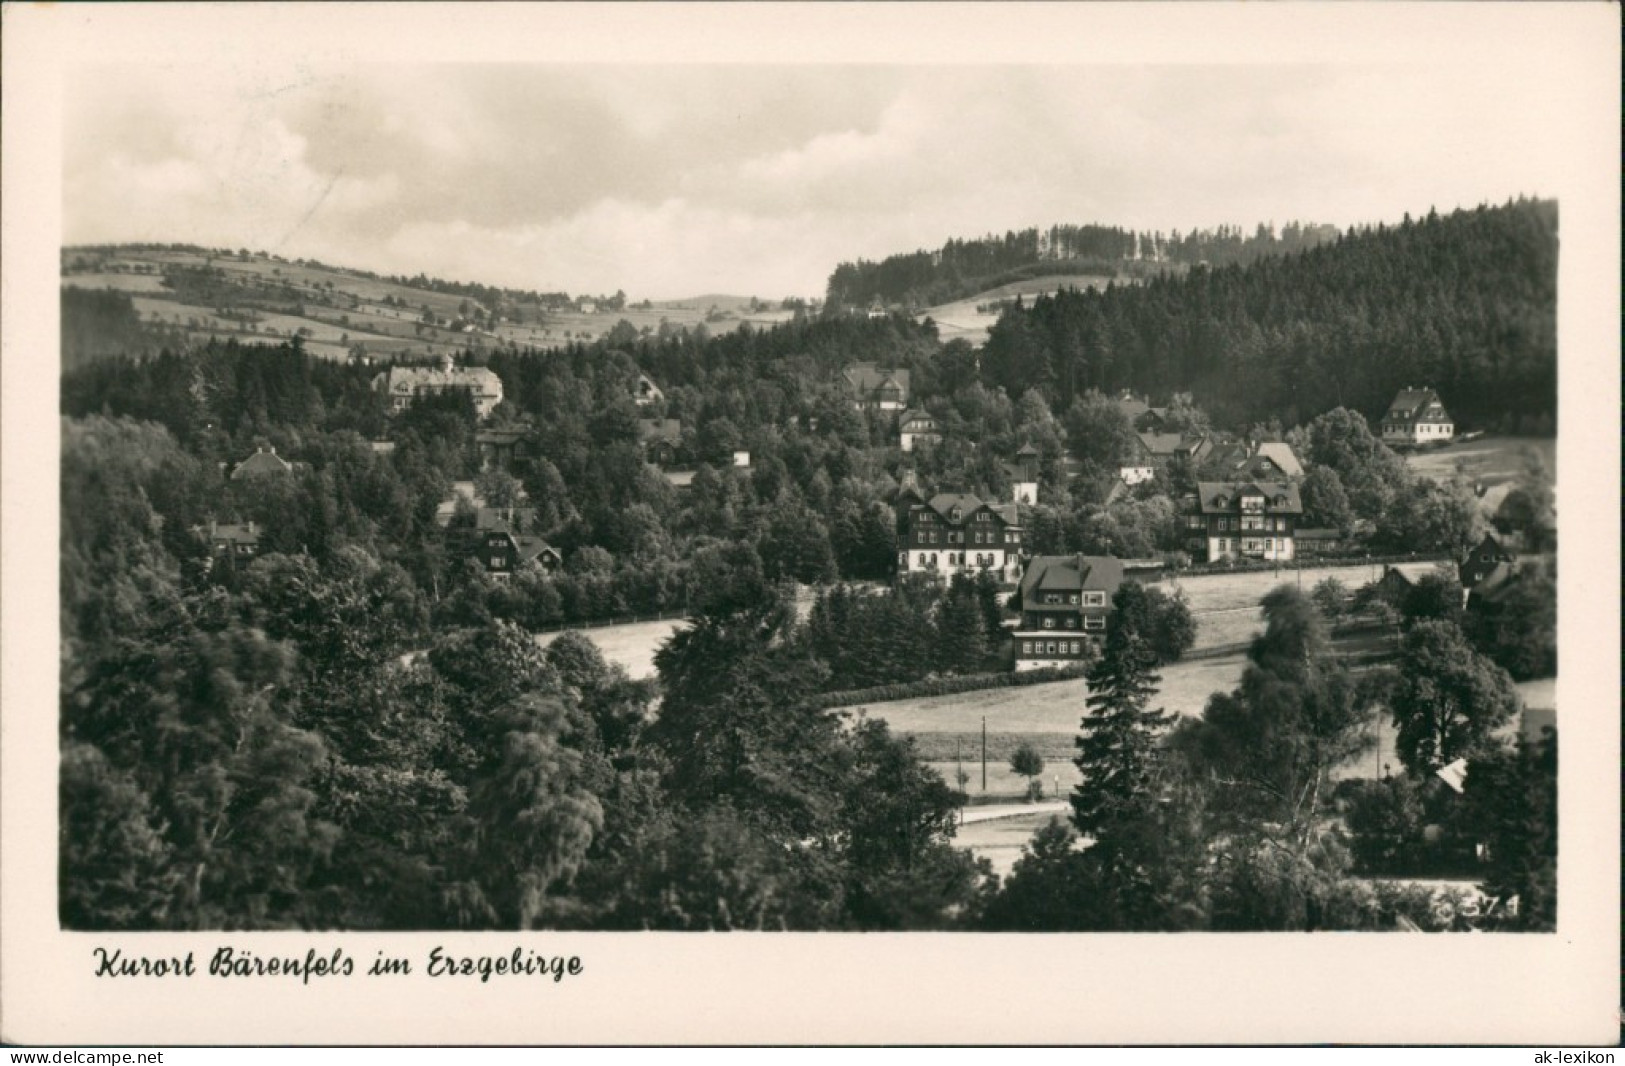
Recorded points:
1279,497
262,463
867,378
1281,454
914,414
1416,405
1160,443
1071,573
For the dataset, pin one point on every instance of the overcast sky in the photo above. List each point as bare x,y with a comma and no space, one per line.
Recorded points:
672,181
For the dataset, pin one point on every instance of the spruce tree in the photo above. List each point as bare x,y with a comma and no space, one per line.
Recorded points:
1117,743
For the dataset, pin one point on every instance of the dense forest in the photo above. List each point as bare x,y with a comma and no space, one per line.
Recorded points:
1465,303
962,268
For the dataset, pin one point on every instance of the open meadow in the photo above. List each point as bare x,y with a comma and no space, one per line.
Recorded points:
960,319
1493,462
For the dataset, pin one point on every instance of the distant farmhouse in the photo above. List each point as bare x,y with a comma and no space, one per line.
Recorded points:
871,386
1141,415
957,533
916,427
1417,416
1065,600
1487,563
403,385
232,542
1250,520
500,447
503,550
265,462
660,438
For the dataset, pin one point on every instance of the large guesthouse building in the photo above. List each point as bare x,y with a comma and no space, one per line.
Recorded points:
955,533
1249,520
1065,600
403,385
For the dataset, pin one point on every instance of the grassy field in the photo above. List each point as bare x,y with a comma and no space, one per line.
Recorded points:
1495,462
632,646
961,320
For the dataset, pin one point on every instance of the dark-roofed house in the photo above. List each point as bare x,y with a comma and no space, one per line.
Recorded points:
870,385
500,447
660,437
1483,561
1268,460
916,427
233,541
1141,415
263,463
1246,520
1417,416
1065,601
503,550
955,532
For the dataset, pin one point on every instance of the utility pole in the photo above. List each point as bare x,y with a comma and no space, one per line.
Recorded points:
984,753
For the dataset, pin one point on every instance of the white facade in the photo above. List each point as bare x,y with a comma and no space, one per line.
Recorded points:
1135,475
1024,492
948,561
1250,544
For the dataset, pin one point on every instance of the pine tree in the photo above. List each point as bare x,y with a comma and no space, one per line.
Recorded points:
1117,743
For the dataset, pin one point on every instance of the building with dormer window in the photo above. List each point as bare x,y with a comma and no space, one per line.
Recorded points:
1417,416
957,533
404,385
870,385
1065,602
1247,520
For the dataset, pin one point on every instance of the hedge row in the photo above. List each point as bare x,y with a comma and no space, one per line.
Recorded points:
945,686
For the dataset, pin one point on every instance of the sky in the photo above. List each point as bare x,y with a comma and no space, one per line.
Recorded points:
669,181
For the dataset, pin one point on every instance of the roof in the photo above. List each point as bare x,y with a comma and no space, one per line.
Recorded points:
1026,449
914,414
502,518
1013,472
653,429
944,502
1132,405
499,436
1224,497
234,533
263,462
1281,454
406,380
1416,405
1161,443
1071,573
866,378
1495,584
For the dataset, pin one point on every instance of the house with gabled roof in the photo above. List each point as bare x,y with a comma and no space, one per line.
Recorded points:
915,426
1483,561
500,447
958,533
232,541
403,386
1245,520
1417,416
265,462
645,391
1141,415
1065,603
503,548
870,385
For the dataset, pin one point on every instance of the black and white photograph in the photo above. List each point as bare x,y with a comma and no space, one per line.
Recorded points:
725,492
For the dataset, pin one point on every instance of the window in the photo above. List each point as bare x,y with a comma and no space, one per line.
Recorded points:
1050,648
984,517
1073,599
496,562
1094,599
933,536
1049,623
1071,622
1026,647
1077,648
1094,621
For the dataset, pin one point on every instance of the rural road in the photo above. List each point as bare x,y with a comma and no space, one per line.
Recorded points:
970,816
